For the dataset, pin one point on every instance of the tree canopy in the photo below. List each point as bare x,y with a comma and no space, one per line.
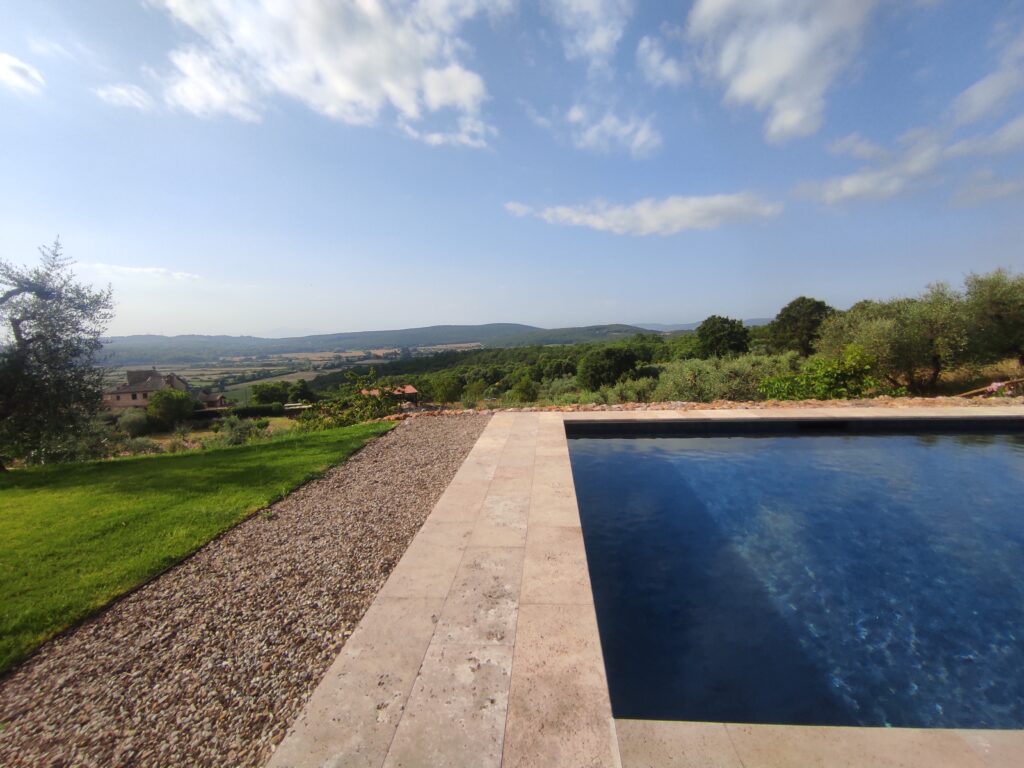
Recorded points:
796,326
49,384
719,336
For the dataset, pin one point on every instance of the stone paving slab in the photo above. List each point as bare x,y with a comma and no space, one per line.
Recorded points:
482,649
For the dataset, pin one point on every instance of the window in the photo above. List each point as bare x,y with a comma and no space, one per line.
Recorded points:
134,396
118,397
145,395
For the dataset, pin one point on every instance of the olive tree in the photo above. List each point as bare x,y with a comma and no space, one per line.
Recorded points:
50,387
911,340
996,307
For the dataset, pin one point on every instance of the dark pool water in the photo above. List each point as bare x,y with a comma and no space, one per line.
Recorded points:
856,580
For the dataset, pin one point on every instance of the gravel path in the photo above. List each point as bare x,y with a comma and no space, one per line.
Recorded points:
208,664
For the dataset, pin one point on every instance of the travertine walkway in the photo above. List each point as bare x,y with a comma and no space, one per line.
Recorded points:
482,648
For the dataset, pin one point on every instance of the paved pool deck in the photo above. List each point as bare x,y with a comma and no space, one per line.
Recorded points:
482,648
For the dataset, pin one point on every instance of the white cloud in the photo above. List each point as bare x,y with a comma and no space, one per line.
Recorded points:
19,76
205,87
160,273
649,216
857,146
991,93
657,66
518,209
1009,138
351,60
606,130
985,187
593,27
779,56
125,95
920,157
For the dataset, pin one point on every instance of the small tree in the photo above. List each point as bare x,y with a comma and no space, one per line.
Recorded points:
719,336
270,392
300,392
169,406
49,385
796,326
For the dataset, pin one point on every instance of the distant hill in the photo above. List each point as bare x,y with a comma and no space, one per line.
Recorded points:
148,349
130,350
541,336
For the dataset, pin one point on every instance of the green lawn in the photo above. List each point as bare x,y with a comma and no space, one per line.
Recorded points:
75,536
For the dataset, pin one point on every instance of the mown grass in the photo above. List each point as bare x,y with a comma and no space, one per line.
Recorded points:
76,536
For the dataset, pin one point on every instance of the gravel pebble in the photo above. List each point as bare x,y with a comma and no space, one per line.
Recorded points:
208,664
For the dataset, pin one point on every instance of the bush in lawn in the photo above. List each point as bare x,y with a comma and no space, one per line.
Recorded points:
141,445
134,422
721,378
232,430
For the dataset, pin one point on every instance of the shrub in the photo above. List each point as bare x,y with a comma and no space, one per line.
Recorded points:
824,378
235,431
142,445
637,390
525,390
134,422
736,378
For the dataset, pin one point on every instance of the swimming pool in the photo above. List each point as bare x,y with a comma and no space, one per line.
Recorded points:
835,579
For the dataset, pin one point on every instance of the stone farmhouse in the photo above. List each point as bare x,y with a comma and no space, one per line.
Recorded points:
141,385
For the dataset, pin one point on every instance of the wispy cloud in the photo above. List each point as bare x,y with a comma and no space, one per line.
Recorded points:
650,216
1008,138
604,130
992,93
160,273
781,56
985,187
659,68
350,60
855,145
592,28
920,155
19,76
125,95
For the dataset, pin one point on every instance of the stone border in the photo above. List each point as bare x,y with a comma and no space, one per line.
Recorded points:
482,648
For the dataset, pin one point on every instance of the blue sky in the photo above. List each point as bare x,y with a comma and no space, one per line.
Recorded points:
274,168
